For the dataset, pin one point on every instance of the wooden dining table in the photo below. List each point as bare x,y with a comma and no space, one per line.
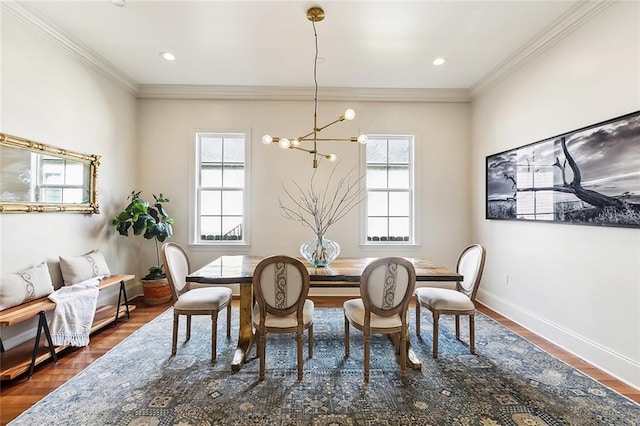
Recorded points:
343,272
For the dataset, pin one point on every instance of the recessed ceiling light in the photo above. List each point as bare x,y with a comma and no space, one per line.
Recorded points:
168,56
438,61
119,3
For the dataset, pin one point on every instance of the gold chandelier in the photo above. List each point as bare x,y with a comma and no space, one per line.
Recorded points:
315,14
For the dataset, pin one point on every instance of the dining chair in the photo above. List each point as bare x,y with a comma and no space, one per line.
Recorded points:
386,287
281,285
461,301
190,301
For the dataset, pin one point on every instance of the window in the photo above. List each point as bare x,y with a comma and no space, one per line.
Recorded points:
220,188
61,181
390,189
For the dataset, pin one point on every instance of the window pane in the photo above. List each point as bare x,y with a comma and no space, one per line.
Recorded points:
399,177
211,176
232,228
210,227
231,203
51,195
74,173
210,203
210,149
377,151
376,177
53,172
399,204
377,228
399,151
233,176
398,228
234,150
377,204
72,195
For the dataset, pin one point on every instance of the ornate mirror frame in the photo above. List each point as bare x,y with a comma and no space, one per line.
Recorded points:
92,161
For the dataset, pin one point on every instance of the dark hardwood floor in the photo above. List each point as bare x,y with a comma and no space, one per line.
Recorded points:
18,395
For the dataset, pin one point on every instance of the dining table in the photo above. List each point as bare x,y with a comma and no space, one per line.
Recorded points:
343,272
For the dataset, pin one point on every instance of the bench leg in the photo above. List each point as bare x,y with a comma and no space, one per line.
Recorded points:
122,294
42,325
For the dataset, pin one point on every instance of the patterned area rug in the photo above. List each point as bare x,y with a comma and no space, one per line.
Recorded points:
508,382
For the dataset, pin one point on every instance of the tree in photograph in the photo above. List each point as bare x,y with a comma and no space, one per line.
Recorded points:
589,196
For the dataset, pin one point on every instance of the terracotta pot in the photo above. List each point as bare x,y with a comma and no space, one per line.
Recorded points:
156,292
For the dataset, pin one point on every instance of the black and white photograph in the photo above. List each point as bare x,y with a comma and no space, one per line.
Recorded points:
588,176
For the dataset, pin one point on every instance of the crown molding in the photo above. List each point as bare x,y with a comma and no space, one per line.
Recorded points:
557,30
68,43
278,93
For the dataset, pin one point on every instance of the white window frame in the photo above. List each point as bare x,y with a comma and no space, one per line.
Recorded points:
413,179
194,205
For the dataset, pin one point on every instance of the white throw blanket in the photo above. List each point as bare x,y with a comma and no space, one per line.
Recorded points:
74,312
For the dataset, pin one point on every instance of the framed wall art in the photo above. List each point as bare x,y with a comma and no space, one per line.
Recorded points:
587,176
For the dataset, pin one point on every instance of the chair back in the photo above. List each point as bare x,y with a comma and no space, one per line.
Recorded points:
176,263
281,285
470,266
386,286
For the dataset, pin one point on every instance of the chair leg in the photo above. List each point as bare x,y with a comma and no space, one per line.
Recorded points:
174,344
472,333
367,349
261,352
436,318
299,350
417,317
346,336
310,337
188,327
403,353
229,320
457,327
214,335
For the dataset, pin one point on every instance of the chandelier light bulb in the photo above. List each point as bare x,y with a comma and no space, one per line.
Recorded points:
332,158
296,142
349,114
284,143
267,139
363,139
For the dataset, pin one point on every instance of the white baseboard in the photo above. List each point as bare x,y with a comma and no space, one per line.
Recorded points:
624,369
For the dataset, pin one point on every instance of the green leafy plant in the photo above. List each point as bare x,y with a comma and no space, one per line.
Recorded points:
152,221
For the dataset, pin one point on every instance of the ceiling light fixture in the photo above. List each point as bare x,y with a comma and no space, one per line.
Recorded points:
438,61
168,56
315,14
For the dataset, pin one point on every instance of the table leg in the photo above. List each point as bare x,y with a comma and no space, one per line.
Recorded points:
245,334
412,359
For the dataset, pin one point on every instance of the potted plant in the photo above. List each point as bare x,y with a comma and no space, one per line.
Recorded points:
151,221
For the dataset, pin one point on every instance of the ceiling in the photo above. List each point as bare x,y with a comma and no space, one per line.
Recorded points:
362,44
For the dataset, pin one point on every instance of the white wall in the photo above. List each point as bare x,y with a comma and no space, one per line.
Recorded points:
578,286
50,97
442,144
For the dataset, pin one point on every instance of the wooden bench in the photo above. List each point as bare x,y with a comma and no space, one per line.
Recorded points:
27,355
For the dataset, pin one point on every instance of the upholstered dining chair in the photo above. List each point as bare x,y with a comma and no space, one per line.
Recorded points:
386,287
281,285
461,301
193,301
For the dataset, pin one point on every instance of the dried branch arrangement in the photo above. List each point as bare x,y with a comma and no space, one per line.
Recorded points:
319,209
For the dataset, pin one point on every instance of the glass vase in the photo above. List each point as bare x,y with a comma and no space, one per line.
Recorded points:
320,251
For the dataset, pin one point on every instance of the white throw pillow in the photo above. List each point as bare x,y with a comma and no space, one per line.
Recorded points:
81,268
22,287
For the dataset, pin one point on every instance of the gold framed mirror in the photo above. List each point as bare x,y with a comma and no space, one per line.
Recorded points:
35,177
